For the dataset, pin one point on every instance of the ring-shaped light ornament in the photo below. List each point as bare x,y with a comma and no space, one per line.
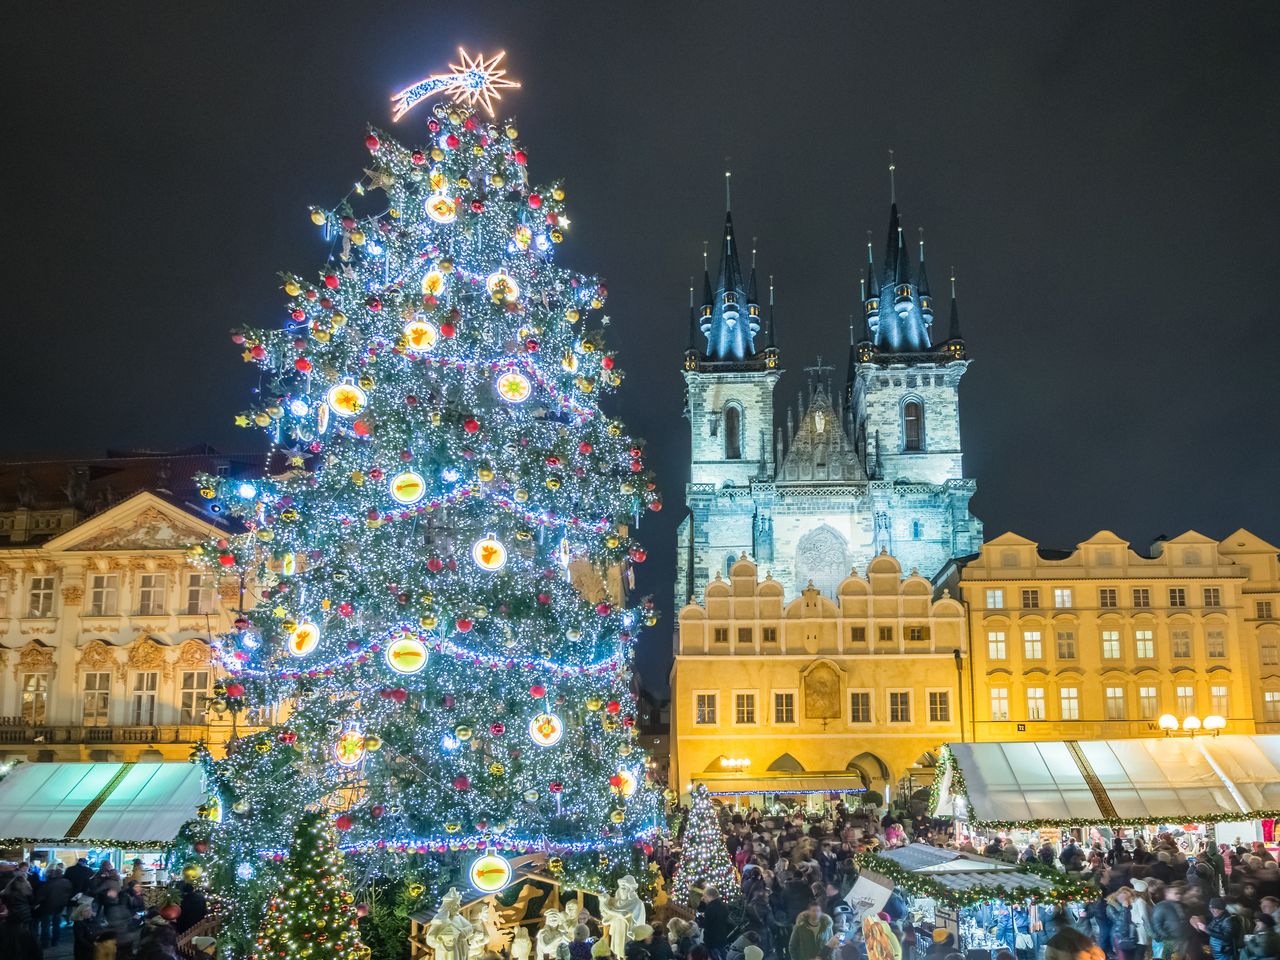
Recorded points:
420,336
489,873
432,283
629,783
407,488
501,283
546,729
304,638
346,399
440,208
349,748
489,554
408,655
513,387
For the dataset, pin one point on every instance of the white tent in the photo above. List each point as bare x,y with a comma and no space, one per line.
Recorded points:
1170,779
106,804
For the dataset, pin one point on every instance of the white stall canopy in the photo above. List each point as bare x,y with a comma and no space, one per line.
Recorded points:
1168,779
103,804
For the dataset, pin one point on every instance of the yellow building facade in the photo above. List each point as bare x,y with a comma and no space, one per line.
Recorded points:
105,632
1014,642
852,690
1101,642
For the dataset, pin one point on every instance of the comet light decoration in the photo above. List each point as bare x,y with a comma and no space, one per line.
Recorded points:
474,81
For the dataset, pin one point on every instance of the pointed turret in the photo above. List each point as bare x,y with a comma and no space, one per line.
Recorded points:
891,246
955,342
922,286
730,316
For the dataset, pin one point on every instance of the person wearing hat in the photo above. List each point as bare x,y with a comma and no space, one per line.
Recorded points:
1140,905
638,945
1264,942
1223,930
943,943
600,949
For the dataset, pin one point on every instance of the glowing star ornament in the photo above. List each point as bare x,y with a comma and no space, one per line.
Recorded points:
546,729
303,639
514,387
474,81
489,554
489,873
349,748
420,335
407,655
408,488
346,399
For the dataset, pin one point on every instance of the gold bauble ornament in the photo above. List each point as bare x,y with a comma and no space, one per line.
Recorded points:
594,704
321,335
614,430
556,236
357,237
485,474
292,288
317,217
428,622
572,315
208,492
557,194
555,865
464,183
357,478
338,318
553,483
497,180
512,133
262,746
496,769
452,827
522,495
437,153
261,419
192,872
416,889
365,382
372,743
462,732
617,816
611,541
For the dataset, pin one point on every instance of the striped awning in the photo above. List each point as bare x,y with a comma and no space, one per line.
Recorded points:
98,804
1165,779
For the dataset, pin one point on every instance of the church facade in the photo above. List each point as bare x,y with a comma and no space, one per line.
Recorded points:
873,465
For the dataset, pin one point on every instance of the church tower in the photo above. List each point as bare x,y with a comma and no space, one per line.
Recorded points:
730,370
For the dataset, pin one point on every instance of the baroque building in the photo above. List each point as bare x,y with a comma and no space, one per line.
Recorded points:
105,627
873,466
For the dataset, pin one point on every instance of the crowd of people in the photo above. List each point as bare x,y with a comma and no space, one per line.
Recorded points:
106,916
1164,898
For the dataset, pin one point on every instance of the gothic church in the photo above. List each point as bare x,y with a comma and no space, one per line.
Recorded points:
870,467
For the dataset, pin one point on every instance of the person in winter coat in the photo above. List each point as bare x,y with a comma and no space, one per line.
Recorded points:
580,948
660,946
16,941
1223,930
84,929
79,873
20,902
51,903
1141,907
1124,932
713,918
638,946
1169,925
193,908
810,935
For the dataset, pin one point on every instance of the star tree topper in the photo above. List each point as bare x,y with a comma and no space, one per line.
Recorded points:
474,81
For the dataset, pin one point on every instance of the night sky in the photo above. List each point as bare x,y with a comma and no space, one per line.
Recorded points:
1103,176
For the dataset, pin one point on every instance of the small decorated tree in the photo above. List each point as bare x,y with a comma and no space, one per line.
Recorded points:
312,914
704,860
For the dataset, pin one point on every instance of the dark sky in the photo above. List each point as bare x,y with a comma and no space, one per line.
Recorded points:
1103,176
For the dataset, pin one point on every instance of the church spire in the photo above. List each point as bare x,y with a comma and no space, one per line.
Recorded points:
955,342
922,285
730,314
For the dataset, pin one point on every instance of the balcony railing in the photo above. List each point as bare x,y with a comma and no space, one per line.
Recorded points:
15,730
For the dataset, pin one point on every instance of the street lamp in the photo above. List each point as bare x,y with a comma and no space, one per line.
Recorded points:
1191,724
1168,723
1214,724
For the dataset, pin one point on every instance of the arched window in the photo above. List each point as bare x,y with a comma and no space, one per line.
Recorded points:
733,432
913,425
917,529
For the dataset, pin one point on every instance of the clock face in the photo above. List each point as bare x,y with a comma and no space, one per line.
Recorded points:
546,729
304,639
406,655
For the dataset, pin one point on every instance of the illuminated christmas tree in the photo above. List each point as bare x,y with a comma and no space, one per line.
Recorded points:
440,562
311,914
704,858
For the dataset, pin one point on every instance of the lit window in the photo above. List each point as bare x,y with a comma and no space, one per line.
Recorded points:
195,696
1110,644
744,708
1219,701
1213,596
144,698
1270,651
1032,647
1062,597
35,697
1263,609
1148,703
1144,644
768,634
860,706
705,709
999,703
1141,597
151,594
915,634
899,706
1180,643
1271,704
939,706
784,708
1186,698
40,597
1066,645
720,634
1114,701
199,594
996,648
1107,597
912,425
1031,599
995,599
885,634
103,592
97,699
1035,703
732,433
1069,697
1215,642
1177,596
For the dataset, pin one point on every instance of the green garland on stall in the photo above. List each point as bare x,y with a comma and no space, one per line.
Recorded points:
91,843
946,761
1068,822
1065,889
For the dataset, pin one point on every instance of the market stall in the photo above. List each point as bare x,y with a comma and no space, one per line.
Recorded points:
116,811
986,904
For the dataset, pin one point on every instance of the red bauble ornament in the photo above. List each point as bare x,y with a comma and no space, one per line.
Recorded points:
544,598
448,330
235,690
258,352
535,200
584,448
343,822
302,365
399,694
227,560
615,781
418,157
461,782
237,338
200,846
464,625
521,157
639,554
471,425
371,142
331,281
288,737
477,206
348,223
497,729
556,786
603,609
377,810
435,564
635,453
406,455
537,691
451,141
373,303
656,506
361,428
531,346
613,706
636,466
346,610
606,362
